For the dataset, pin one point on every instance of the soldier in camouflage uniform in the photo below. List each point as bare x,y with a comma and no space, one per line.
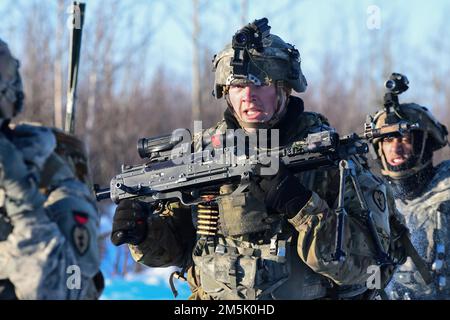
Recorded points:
276,240
48,218
422,196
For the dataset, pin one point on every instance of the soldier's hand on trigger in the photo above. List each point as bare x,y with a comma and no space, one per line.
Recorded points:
281,191
130,223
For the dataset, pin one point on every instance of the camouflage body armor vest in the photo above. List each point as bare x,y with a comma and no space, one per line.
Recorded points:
427,217
61,158
69,152
254,256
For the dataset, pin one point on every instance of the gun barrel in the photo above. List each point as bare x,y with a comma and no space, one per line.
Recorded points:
101,194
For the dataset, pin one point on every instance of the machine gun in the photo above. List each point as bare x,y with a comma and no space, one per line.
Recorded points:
174,173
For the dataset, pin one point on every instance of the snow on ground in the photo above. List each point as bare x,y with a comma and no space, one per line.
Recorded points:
150,284
138,287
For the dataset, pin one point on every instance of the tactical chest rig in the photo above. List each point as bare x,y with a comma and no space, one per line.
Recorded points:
245,252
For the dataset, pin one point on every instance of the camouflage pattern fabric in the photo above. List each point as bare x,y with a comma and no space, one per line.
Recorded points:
427,218
51,251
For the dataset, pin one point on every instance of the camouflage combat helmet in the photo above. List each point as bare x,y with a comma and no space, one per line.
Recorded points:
11,90
430,136
279,61
271,61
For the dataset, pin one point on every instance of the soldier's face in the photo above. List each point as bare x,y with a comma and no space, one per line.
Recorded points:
397,149
253,103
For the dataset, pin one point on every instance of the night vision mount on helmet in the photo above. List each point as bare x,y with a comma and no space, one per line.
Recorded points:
249,37
427,133
258,57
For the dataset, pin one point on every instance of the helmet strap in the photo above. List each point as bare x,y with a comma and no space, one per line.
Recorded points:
418,166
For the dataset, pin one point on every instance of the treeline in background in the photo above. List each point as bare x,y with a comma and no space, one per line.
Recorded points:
146,66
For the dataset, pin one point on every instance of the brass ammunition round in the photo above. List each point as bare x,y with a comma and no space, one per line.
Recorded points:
205,233
207,222
208,217
208,211
207,227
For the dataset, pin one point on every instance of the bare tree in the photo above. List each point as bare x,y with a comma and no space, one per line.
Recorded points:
57,65
244,12
196,94
38,65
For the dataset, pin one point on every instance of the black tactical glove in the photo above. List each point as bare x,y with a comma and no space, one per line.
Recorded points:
130,223
282,191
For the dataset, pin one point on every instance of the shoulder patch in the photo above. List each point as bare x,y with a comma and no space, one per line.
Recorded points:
80,238
80,234
380,199
81,217
204,138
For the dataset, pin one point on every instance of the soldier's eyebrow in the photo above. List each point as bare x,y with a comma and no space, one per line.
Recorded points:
241,85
